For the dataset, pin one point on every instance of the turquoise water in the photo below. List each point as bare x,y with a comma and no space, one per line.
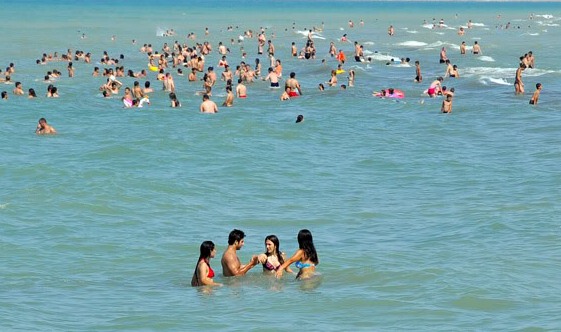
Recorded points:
422,221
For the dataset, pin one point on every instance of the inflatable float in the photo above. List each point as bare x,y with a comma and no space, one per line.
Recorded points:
390,93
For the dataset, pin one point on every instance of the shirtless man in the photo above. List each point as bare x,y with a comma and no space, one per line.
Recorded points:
536,95
147,88
43,128
168,83
419,77
229,102
447,104
518,85
18,89
293,84
208,106
271,48
226,74
463,48
231,265
358,52
449,68
241,89
273,78
192,75
443,56
476,48
211,75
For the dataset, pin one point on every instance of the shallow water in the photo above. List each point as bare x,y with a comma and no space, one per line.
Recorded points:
421,220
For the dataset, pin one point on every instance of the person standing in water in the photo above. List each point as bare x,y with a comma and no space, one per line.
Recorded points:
44,129
518,84
305,258
536,95
231,265
203,272
273,258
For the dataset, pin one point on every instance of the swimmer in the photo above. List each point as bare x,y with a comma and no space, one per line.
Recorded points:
518,84
294,85
43,128
333,80
463,48
419,77
231,265
229,101
208,106
536,95
351,78
203,272
299,118
174,102
273,258
32,94
435,88
241,89
305,257
18,89
476,48
447,104
286,94
443,56
272,77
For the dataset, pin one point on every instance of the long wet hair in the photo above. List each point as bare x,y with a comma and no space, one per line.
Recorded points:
306,243
275,240
206,248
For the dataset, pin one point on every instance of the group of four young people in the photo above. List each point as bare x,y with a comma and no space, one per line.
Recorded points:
273,260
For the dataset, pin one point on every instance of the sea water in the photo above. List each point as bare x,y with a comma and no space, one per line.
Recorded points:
422,221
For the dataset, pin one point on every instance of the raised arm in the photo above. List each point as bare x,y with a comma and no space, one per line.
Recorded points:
298,255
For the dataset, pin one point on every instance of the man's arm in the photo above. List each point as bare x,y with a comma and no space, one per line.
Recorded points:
234,267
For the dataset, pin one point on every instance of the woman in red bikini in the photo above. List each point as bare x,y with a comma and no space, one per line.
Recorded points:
203,272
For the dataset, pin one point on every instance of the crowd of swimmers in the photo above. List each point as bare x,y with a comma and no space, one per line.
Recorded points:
173,58
273,261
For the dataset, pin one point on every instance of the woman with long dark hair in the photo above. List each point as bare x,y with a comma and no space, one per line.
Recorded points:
203,272
273,258
305,258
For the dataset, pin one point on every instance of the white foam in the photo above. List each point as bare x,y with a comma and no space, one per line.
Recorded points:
486,58
382,57
486,80
412,31
488,72
412,43
314,34
368,43
546,16
477,24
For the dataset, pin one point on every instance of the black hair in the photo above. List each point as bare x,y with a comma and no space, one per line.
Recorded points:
235,235
275,240
206,248
306,243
